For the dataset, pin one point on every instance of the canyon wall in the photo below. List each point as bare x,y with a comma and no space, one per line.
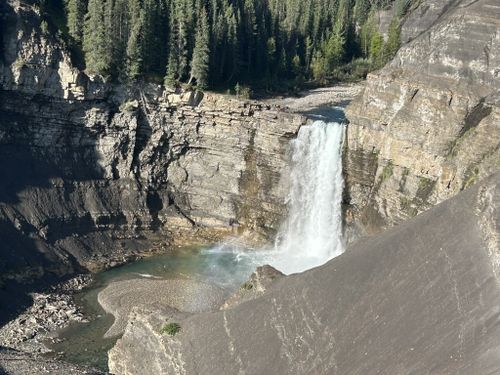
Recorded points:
428,124
94,173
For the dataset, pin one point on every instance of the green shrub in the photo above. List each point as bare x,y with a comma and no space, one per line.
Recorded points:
243,92
44,26
387,171
247,286
170,329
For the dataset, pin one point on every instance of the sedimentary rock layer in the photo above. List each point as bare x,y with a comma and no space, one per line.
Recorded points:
92,173
428,124
421,298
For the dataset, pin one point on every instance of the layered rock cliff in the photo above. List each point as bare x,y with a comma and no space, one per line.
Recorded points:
94,173
420,298
428,124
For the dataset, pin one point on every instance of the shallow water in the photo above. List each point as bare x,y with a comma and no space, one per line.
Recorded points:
83,343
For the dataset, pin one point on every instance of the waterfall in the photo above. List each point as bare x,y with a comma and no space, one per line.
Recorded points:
312,232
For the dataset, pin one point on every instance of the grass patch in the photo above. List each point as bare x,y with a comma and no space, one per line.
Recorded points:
425,187
170,329
387,171
471,176
454,145
247,286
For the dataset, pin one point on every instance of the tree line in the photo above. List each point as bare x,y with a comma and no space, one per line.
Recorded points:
216,43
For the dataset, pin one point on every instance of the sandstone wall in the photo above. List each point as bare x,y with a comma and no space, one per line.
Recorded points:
428,124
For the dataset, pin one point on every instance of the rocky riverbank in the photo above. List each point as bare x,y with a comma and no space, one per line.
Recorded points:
313,102
14,362
51,311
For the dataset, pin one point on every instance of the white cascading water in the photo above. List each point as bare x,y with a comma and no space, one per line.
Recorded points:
312,233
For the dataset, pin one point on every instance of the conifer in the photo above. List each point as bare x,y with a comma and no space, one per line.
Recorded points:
201,53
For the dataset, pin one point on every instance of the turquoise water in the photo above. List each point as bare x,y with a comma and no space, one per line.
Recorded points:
83,343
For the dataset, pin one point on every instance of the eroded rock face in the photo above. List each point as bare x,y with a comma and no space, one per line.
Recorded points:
428,124
420,298
93,173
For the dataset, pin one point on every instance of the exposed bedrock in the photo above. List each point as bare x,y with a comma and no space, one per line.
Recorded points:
94,173
84,179
423,297
428,124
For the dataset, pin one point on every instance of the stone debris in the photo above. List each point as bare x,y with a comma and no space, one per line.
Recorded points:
13,362
51,311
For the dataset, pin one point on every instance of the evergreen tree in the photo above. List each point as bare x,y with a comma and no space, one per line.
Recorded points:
135,46
250,32
172,76
393,40
377,50
319,67
180,37
361,11
271,55
219,42
401,7
334,50
201,53
366,33
155,36
119,32
95,40
75,14
233,56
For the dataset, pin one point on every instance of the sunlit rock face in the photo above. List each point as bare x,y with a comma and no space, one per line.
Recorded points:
428,124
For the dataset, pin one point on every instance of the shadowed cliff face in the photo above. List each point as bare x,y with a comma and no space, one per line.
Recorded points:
428,124
75,172
94,174
422,298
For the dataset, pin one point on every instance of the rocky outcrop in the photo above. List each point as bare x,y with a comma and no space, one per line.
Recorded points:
255,286
428,124
420,298
94,173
